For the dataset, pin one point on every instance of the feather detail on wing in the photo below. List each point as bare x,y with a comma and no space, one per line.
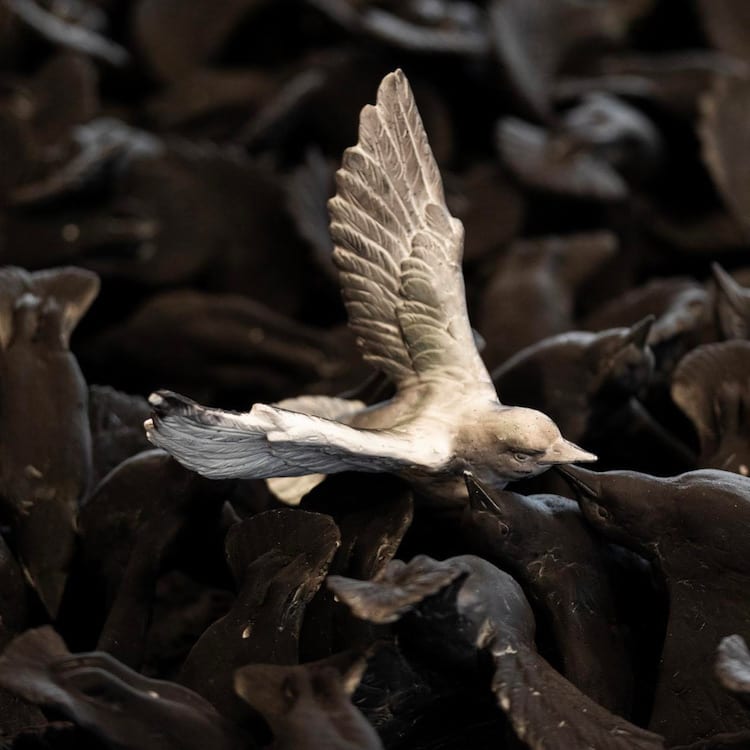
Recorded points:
329,407
267,441
440,342
291,490
398,249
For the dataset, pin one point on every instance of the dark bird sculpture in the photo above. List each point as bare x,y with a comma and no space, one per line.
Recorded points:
680,307
580,377
696,529
711,385
561,564
531,294
486,611
398,251
308,705
117,704
143,513
45,455
279,560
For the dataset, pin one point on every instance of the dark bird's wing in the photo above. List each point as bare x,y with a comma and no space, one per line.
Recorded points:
548,712
272,442
398,250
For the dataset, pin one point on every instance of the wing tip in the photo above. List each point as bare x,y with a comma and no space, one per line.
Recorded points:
394,87
394,83
164,402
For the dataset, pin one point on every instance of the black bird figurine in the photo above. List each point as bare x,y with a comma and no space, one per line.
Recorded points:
120,706
485,610
279,560
561,564
45,455
531,294
696,529
711,385
309,706
580,376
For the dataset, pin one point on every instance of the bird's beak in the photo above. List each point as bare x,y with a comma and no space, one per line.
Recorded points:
731,290
638,333
479,498
564,452
581,481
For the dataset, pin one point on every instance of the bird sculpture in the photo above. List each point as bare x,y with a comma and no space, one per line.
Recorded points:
564,569
398,251
695,530
45,451
478,608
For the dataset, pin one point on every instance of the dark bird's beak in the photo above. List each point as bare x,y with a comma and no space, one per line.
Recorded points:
582,481
638,333
479,498
564,452
729,288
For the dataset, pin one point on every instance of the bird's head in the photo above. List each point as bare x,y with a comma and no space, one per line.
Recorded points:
620,361
528,442
502,525
518,443
627,507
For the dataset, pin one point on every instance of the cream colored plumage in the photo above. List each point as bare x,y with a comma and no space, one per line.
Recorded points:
398,251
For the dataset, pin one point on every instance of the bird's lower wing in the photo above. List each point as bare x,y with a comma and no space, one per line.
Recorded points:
269,442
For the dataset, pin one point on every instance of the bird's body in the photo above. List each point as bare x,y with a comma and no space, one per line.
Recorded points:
563,568
45,452
695,527
398,251
431,449
486,610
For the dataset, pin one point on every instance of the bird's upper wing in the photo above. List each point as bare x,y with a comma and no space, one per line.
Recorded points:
272,442
398,249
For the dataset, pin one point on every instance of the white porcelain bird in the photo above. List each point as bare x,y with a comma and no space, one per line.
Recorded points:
398,251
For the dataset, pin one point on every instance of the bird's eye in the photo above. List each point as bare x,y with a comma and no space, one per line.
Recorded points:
521,457
603,513
503,528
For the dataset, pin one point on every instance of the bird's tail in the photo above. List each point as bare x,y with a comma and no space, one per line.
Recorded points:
216,443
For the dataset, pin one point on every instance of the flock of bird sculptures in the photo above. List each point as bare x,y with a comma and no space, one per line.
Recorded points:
544,558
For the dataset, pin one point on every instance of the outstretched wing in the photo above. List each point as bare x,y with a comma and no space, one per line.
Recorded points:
398,249
270,442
